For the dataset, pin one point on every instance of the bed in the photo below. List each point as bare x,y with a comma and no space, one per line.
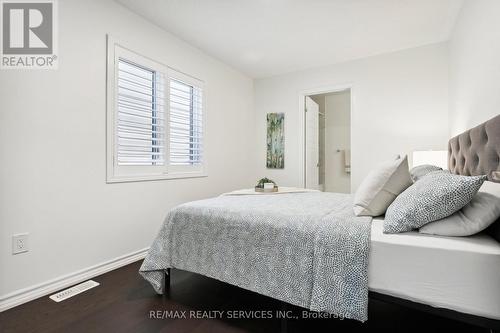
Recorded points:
280,247
456,273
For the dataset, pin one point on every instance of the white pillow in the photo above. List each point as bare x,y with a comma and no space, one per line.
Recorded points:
482,211
382,185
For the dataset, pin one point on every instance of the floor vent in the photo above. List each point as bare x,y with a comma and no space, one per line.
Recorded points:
75,290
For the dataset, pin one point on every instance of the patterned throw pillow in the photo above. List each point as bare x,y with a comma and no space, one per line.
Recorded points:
433,197
419,171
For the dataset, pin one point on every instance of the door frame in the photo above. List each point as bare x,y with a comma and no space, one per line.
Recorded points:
306,143
302,121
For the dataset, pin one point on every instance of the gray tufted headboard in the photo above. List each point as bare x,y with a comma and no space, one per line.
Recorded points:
477,151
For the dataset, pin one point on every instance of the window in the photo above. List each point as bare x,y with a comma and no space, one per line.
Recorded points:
155,119
141,111
185,123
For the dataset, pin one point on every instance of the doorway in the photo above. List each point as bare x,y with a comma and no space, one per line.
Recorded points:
327,141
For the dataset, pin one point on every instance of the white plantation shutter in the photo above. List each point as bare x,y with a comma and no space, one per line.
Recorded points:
185,122
140,127
155,119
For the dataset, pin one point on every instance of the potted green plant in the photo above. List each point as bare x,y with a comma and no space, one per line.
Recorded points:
266,185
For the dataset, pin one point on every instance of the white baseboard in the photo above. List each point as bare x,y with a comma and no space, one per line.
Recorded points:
19,297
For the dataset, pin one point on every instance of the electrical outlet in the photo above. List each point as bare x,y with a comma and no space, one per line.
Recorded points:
19,243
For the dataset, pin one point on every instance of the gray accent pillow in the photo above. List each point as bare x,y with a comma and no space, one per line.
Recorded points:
481,212
433,197
419,171
381,186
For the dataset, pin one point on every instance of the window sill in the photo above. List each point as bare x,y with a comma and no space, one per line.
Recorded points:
145,178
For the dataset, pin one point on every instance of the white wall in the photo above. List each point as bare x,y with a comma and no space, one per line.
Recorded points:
475,65
400,104
337,137
52,148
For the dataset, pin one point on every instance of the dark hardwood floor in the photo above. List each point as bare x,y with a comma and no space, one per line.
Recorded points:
124,303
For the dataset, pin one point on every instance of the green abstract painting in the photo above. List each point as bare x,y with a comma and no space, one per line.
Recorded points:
275,140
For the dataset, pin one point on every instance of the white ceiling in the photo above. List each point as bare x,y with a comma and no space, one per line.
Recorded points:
269,37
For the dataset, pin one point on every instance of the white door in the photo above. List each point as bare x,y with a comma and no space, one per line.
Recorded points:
312,144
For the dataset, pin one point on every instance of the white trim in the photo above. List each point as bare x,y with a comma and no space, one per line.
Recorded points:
174,175
302,96
186,78
28,294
